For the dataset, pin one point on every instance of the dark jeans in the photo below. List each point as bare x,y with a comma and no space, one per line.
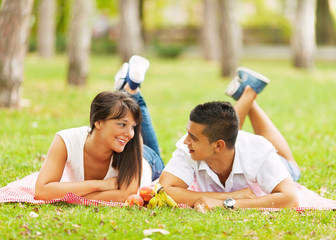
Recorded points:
151,149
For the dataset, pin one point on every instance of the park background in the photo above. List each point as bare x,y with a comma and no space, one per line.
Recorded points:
182,74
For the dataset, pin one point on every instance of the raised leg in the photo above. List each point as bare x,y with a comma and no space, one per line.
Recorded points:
261,123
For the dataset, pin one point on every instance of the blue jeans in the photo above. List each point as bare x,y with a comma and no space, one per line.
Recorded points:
293,170
151,151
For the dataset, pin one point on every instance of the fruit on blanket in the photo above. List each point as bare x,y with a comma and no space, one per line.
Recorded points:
147,192
134,199
161,198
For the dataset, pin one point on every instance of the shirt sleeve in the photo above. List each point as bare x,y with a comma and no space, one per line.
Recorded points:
181,166
271,173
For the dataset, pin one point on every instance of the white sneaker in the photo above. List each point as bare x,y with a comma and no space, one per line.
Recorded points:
120,77
233,86
138,67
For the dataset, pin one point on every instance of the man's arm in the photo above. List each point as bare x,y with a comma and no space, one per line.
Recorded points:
284,195
177,189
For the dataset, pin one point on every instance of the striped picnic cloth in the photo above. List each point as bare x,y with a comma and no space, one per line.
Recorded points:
23,191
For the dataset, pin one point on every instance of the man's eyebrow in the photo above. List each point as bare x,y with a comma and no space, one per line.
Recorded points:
191,135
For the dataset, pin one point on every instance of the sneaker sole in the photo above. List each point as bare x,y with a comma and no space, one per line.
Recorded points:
253,73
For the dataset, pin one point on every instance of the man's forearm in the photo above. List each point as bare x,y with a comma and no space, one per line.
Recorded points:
182,195
274,200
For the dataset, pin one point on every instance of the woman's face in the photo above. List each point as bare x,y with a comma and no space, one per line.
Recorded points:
116,133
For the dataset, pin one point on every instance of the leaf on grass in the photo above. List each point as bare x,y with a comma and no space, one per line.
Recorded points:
153,214
148,232
33,214
35,209
76,225
41,157
26,230
21,205
70,231
323,190
59,212
113,222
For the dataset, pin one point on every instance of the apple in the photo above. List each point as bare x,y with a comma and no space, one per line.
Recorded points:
134,199
147,192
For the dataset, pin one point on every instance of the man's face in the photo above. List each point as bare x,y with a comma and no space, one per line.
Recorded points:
198,143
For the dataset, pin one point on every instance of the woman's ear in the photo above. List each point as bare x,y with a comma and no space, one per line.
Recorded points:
219,145
97,124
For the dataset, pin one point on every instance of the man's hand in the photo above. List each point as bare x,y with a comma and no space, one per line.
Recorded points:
245,193
207,203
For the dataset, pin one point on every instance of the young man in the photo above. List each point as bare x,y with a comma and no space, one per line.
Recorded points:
232,168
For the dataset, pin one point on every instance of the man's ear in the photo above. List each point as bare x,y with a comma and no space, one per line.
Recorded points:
219,145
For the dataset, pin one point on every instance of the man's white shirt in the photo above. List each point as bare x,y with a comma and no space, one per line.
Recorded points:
256,165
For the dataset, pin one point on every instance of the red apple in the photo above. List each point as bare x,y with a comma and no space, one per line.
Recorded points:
135,199
147,192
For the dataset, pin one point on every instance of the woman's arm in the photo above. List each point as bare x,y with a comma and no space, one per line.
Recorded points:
48,185
116,195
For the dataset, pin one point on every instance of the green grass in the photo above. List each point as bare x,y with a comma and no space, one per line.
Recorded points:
301,104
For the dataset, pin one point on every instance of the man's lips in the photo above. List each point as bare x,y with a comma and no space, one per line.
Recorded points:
191,151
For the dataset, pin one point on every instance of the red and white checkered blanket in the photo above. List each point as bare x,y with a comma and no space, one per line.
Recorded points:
23,191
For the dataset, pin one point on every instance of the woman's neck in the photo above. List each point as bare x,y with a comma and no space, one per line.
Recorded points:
95,149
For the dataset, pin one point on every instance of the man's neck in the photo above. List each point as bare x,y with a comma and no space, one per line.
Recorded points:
222,164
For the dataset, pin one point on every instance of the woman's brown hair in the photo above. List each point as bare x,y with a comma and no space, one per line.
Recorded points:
116,105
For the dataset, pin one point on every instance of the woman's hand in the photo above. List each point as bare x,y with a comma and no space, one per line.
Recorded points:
109,184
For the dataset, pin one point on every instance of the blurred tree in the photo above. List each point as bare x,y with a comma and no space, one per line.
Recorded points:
79,41
303,37
130,37
46,28
210,30
231,37
325,26
15,16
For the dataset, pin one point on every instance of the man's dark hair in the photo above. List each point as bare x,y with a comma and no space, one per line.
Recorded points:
220,121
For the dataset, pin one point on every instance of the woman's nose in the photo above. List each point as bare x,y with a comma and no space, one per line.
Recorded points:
129,132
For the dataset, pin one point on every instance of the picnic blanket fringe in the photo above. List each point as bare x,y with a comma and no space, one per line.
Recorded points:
23,190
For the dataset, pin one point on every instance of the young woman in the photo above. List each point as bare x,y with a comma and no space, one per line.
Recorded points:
110,159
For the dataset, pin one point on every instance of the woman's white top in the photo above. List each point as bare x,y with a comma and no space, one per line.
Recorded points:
74,139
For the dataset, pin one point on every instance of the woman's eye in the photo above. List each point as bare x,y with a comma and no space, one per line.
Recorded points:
122,124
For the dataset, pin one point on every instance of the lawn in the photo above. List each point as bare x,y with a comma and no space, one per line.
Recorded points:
301,104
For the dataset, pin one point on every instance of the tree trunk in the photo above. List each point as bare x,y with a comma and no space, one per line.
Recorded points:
231,37
210,30
325,26
14,30
130,38
303,38
79,41
46,28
